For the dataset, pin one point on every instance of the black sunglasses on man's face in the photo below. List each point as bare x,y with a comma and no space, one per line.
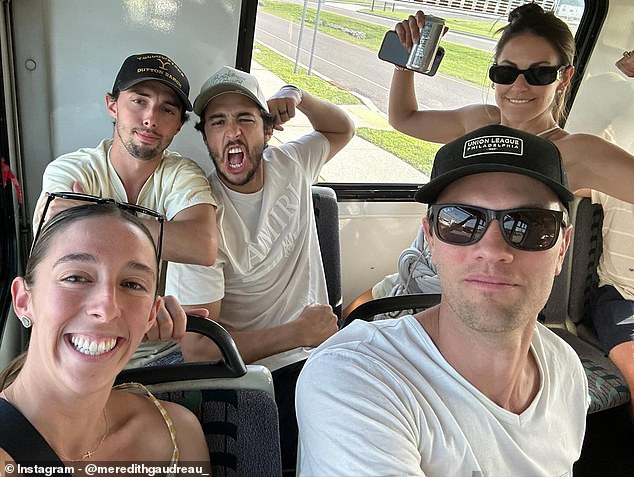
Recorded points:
527,229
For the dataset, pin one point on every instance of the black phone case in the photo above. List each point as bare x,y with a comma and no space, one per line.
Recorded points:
394,52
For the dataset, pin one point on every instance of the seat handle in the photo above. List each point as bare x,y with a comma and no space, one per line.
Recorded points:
367,310
230,366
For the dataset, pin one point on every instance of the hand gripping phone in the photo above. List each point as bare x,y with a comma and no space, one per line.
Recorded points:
394,52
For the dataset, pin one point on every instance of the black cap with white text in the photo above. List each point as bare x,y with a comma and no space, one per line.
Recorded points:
153,66
497,149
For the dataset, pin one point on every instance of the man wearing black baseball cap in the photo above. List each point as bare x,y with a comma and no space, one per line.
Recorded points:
149,104
153,66
474,385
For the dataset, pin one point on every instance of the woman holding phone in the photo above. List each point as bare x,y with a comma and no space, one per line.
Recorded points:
531,74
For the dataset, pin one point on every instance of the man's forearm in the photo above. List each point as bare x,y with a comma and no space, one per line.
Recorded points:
325,117
257,344
252,344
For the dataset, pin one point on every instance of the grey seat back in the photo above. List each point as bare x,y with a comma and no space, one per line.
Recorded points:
585,260
327,219
566,312
555,313
574,286
234,403
239,419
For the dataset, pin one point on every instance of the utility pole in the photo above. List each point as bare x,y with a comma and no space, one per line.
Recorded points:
301,33
312,47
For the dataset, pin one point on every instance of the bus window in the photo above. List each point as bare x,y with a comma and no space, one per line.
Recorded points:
339,63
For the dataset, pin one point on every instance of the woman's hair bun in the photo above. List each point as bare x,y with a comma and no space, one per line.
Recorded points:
526,11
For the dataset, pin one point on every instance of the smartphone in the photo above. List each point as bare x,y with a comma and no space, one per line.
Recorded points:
394,52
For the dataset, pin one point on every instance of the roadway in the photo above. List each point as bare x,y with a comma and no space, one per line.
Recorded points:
359,70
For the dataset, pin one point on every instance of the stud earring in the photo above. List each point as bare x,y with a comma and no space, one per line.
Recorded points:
26,321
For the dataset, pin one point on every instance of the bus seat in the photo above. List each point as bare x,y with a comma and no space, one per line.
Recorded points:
234,403
606,386
327,219
585,260
555,312
573,287
567,308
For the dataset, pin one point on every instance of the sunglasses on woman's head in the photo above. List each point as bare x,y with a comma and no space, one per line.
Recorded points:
136,210
535,75
524,228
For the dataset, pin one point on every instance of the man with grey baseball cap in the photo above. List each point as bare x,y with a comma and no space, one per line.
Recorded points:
149,104
269,275
474,385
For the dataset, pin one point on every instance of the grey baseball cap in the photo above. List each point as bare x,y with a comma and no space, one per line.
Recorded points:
229,80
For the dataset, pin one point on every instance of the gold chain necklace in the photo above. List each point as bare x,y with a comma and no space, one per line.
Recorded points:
90,453
87,455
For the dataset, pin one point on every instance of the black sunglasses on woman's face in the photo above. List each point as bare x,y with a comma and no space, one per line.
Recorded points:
137,210
535,75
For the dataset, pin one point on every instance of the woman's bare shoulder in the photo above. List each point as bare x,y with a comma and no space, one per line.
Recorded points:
4,459
180,414
595,163
189,434
476,116
141,406
581,138
137,422
140,413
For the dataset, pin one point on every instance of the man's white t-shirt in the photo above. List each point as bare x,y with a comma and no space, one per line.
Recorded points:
617,259
176,184
379,399
269,263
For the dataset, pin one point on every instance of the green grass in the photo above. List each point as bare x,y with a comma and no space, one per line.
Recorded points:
462,62
476,27
483,28
466,63
358,2
417,153
315,85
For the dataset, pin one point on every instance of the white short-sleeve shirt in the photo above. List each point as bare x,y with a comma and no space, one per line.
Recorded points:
379,399
269,264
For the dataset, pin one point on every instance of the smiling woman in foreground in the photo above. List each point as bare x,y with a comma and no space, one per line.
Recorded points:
89,296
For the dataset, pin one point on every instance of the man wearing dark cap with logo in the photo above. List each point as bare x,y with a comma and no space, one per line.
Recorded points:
149,104
269,275
475,385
